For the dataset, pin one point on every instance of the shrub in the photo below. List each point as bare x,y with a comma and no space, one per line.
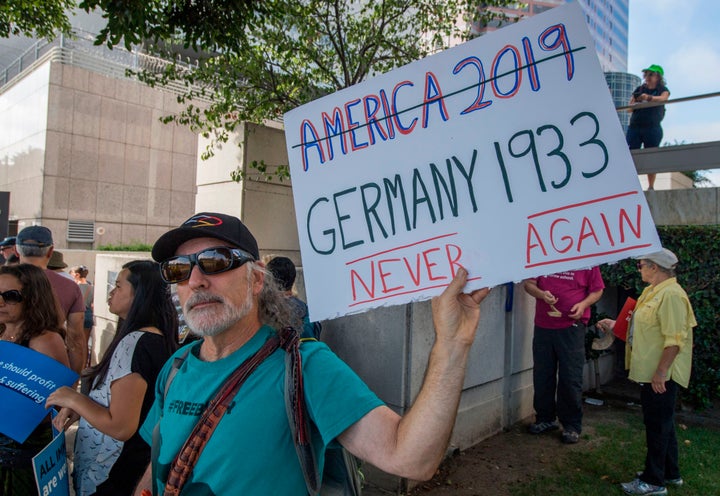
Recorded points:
134,246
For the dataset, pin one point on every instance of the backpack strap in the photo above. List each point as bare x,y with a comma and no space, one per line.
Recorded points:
298,419
184,462
154,449
295,407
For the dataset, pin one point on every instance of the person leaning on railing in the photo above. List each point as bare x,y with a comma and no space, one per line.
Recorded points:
644,129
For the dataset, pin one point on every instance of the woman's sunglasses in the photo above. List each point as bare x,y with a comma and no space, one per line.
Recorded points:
12,296
210,261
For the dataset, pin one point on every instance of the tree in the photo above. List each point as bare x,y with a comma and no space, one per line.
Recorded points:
38,18
259,59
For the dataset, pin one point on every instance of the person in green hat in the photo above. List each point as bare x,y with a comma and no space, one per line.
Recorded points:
644,129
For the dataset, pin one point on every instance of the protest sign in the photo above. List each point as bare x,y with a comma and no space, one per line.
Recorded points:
503,155
26,379
51,468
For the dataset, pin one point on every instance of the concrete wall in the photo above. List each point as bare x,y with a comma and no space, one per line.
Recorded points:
667,180
96,151
266,207
695,206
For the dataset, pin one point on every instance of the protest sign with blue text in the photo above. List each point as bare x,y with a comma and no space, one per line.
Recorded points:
26,379
503,155
51,468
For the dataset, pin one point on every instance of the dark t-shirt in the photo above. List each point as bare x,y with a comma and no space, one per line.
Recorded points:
650,116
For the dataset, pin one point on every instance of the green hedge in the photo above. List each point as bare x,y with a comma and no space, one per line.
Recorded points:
698,249
134,246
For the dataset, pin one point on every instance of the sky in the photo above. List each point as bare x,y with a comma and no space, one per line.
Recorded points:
682,36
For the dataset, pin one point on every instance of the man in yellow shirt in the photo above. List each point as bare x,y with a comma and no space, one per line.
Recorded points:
659,356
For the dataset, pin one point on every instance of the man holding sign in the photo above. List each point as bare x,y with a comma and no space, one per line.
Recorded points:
229,299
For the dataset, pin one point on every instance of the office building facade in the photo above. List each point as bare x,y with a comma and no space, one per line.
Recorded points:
606,19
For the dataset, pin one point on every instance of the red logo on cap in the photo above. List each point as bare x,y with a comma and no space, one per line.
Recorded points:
203,221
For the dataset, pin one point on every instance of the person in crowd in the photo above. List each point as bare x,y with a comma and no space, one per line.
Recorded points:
7,251
562,311
34,244
228,298
110,456
644,129
58,265
284,272
79,274
28,317
659,356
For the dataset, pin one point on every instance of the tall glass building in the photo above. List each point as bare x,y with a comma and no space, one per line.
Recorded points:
621,86
607,20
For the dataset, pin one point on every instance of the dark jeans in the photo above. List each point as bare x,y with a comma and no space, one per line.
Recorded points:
559,356
650,136
661,461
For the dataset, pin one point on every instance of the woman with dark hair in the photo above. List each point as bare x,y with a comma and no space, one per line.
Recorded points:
110,456
645,129
28,317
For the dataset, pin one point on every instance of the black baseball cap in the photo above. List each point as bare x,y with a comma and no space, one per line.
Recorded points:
210,225
9,241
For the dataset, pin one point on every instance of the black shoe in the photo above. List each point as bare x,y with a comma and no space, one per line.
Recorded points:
542,427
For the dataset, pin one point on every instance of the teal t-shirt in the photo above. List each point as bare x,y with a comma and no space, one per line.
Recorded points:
251,450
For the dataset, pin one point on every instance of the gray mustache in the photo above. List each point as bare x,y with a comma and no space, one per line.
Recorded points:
200,298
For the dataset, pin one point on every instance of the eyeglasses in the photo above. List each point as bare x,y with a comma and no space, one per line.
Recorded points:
640,265
210,261
12,296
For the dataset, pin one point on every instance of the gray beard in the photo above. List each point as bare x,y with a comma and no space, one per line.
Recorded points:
208,322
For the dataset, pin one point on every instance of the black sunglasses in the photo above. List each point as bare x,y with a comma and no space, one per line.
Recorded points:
12,296
210,261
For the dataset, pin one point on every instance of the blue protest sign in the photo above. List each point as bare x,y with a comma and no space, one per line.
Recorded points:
26,379
51,469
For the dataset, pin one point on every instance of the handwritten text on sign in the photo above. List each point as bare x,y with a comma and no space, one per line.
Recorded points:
503,155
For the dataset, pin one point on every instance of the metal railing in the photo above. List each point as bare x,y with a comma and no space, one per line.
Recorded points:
667,102
79,51
676,158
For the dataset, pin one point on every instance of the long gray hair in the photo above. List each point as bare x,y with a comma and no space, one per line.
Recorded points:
274,308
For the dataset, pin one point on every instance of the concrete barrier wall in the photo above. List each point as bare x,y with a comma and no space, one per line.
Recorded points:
389,348
685,207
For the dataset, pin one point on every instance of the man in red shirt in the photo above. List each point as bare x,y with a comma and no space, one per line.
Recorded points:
34,245
562,311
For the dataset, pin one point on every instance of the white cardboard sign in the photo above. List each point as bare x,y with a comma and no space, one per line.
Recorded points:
503,155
